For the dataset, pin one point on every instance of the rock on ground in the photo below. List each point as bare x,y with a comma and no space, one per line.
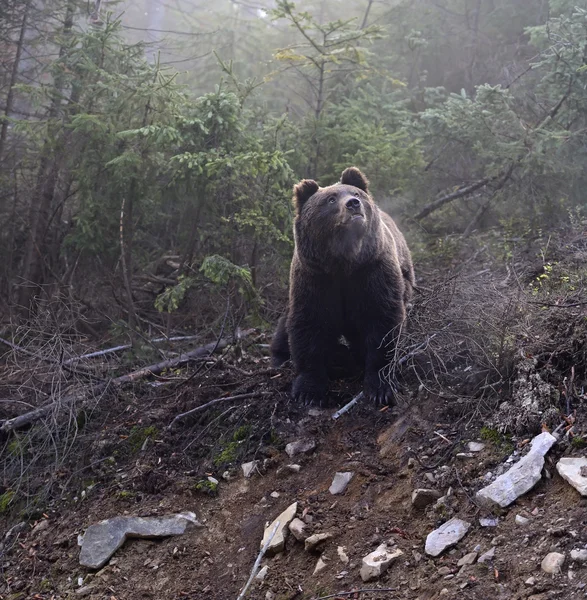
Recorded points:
297,528
277,544
580,555
521,478
340,483
553,562
316,539
487,556
300,447
422,497
571,469
249,468
103,539
320,566
445,536
377,562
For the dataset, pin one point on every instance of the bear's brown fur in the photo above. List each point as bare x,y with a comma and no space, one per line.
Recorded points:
351,275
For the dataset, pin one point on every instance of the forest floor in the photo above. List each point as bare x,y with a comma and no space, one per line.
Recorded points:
126,461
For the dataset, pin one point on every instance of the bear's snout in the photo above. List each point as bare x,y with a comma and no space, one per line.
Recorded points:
354,205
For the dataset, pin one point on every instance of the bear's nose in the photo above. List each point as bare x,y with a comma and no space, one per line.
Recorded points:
353,204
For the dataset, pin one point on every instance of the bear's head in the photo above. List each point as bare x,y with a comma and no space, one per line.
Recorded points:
335,225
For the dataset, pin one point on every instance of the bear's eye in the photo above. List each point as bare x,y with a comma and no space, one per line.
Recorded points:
332,199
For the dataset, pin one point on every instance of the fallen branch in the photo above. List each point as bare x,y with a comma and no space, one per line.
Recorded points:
361,591
159,340
215,401
27,418
347,407
258,561
466,190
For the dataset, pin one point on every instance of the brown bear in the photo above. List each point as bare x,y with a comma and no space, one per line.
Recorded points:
351,276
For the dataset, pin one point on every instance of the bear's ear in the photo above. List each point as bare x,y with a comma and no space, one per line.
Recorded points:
353,176
303,191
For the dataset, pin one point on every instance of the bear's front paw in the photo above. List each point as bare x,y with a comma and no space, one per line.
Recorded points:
379,389
308,389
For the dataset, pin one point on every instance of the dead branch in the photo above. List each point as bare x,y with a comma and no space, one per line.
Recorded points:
501,179
361,591
59,404
215,401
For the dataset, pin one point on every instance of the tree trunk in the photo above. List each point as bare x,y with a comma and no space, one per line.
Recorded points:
13,77
42,199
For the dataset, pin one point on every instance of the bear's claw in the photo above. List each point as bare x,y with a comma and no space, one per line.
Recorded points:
380,391
308,389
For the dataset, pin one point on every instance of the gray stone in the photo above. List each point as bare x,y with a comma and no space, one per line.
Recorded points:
487,556
300,447
260,576
520,478
464,455
553,562
444,571
445,536
320,566
468,559
377,562
571,470
580,555
277,544
297,528
312,541
488,522
340,483
103,539
475,446
520,520
342,555
249,468
40,526
422,497
530,581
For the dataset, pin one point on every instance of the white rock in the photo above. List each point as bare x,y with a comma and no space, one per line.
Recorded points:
580,555
274,494
465,455
520,478
249,468
553,562
488,522
260,576
316,539
445,536
297,528
342,555
377,562
520,520
300,447
277,544
475,446
320,566
530,581
340,483
570,470
487,556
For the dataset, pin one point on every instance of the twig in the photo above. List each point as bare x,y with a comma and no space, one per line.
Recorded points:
361,591
216,401
258,561
348,406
